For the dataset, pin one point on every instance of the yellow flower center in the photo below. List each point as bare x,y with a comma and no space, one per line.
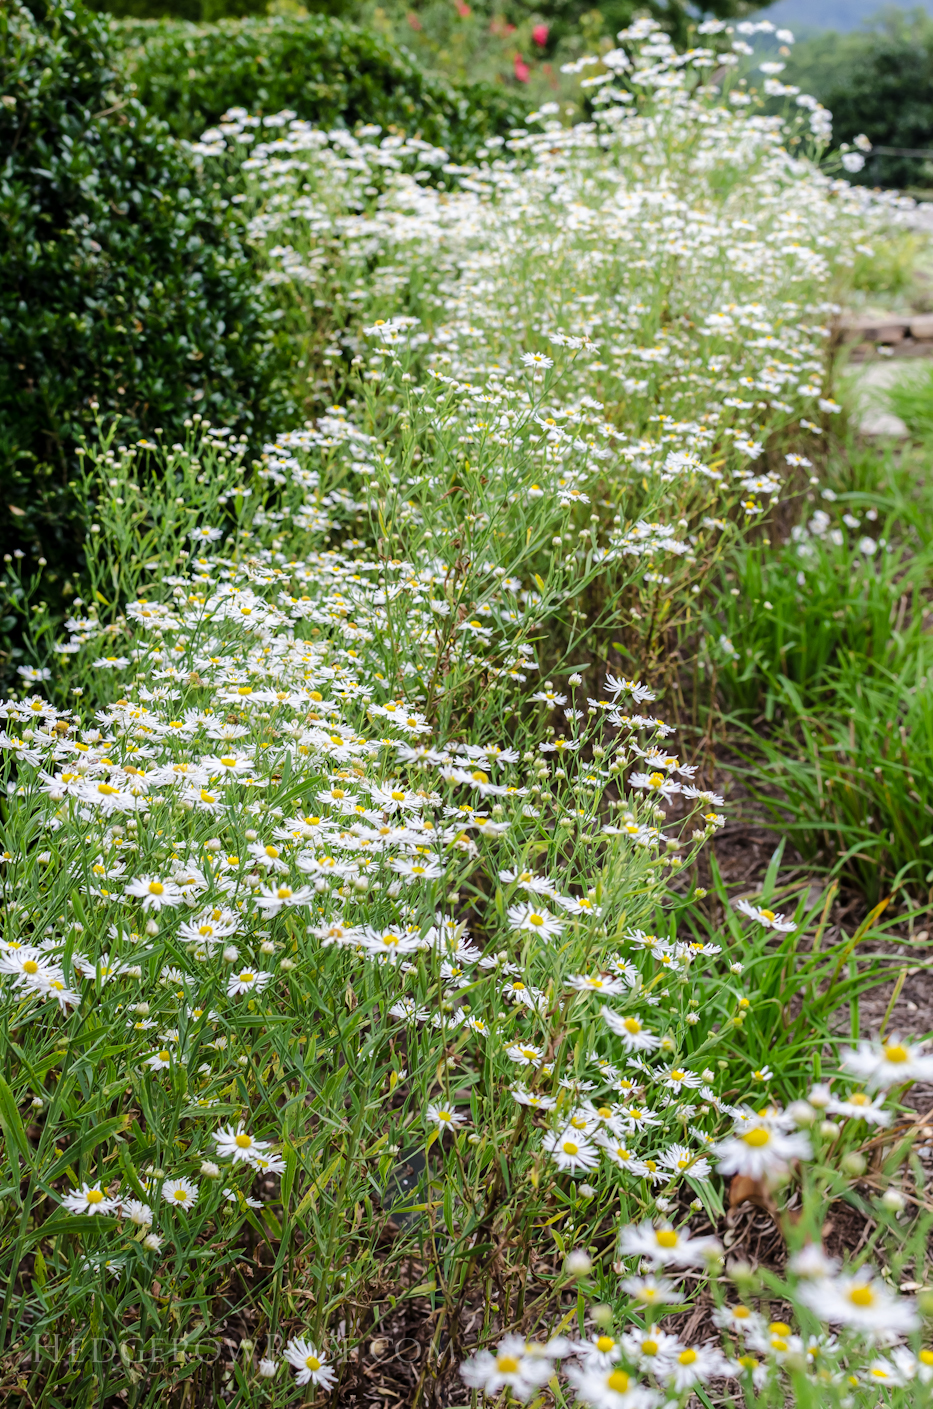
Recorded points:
926,1357
862,1296
858,1098
94,1196
666,1238
604,1343
748,1362
30,967
649,1347
243,1141
164,1055
569,1148
246,976
313,1363
156,888
767,914
604,1112
618,1381
272,851
535,920
757,1137
507,1365
741,1313
779,1328
180,1195
632,1025
687,1357
896,1054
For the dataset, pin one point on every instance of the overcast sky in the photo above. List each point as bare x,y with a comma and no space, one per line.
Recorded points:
828,14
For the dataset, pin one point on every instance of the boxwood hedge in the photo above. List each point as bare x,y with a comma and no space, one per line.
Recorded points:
329,72
123,274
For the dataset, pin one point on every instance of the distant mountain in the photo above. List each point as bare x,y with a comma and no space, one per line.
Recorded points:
806,16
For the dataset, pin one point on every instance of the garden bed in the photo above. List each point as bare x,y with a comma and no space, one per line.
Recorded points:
467,803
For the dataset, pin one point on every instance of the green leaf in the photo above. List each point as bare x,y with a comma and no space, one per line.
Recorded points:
72,1223
99,1135
14,1132
129,1170
290,1156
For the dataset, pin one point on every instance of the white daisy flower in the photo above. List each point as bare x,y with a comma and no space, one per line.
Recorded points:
444,1117
570,1150
635,1037
309,1363
155,892
536,919
666,1244
247,981
768,918
237,1145
888,1063
509,1367
861,1301
180,1193
90,1198
759,1149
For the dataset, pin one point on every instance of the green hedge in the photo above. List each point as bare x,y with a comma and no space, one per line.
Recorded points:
198,11
123,275
329,72
879,82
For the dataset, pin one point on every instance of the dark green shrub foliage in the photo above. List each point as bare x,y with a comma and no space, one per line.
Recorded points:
881,83
198,11
122,276
329,72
